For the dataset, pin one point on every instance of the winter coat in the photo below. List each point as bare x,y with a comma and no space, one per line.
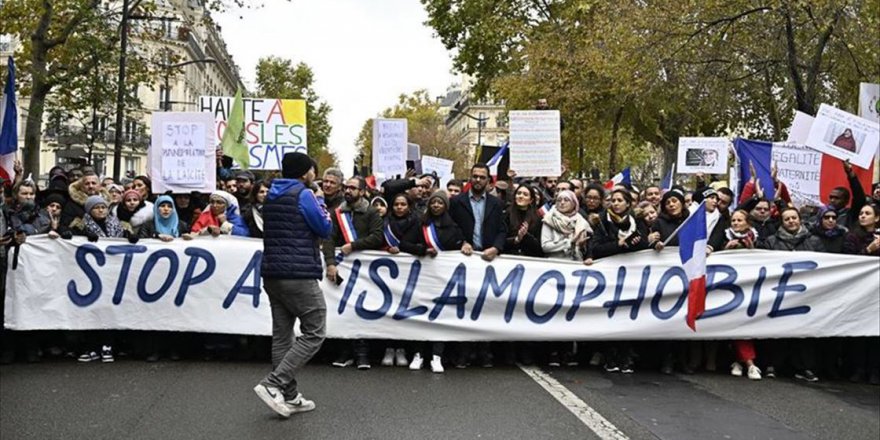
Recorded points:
233,225
856,242
833,240
494,228
408,231
73,211
605,241
666,225
367,225
530,245
783,240
448,234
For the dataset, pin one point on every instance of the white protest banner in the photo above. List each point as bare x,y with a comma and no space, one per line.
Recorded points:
800,128
535,143
273,127
869,101
212,285
844,136
702,155
443,168
389,148
181,154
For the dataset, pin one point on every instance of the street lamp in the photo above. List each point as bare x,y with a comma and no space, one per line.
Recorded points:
480,122
166,105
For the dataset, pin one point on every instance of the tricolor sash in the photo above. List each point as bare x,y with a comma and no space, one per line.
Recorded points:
390,239
543,210
346,226
431,238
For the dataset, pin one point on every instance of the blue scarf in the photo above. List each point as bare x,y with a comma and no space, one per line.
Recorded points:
166,226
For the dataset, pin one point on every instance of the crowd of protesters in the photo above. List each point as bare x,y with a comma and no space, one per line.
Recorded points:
550,217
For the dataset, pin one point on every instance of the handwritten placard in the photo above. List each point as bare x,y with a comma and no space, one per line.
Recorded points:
535,143
182,151
389,148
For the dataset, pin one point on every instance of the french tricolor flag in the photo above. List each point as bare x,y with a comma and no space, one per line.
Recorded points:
621,178
808,174
8,127
496,159
692,250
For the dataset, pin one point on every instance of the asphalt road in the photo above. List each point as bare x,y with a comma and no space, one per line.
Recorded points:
214,400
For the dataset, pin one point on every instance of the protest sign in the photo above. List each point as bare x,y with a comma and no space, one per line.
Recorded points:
181,156
535,143
844,136
809,175
443,168
390,148
800,128
213,285
869,101
702,155
273,127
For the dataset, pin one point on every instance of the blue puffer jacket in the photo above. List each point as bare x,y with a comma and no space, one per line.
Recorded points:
294,221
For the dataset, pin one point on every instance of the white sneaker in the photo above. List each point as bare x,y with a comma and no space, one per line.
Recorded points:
400,358
107,354
388,360
299,404
274,398
436,364
736,369
754,372
416,363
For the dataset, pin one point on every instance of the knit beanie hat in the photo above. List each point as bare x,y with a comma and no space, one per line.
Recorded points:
131,192
440,194
93,201
54,198
295,165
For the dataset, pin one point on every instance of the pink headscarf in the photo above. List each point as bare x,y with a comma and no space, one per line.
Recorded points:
566,194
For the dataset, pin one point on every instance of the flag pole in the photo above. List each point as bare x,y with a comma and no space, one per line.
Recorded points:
675,232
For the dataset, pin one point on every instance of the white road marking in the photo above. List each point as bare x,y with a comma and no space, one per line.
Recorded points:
598,424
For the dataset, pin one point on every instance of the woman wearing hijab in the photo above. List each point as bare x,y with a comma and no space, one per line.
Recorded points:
564,234
221,217
439,233
827,229
166,225
846,141
565,231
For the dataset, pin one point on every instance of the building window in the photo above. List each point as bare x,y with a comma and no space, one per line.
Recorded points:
482,120
132,165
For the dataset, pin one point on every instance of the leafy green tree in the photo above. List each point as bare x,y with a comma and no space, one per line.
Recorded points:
278,78
64,45
633,75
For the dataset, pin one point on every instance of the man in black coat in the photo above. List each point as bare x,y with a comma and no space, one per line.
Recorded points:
479,215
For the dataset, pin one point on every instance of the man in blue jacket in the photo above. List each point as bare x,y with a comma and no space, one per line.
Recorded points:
295,218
